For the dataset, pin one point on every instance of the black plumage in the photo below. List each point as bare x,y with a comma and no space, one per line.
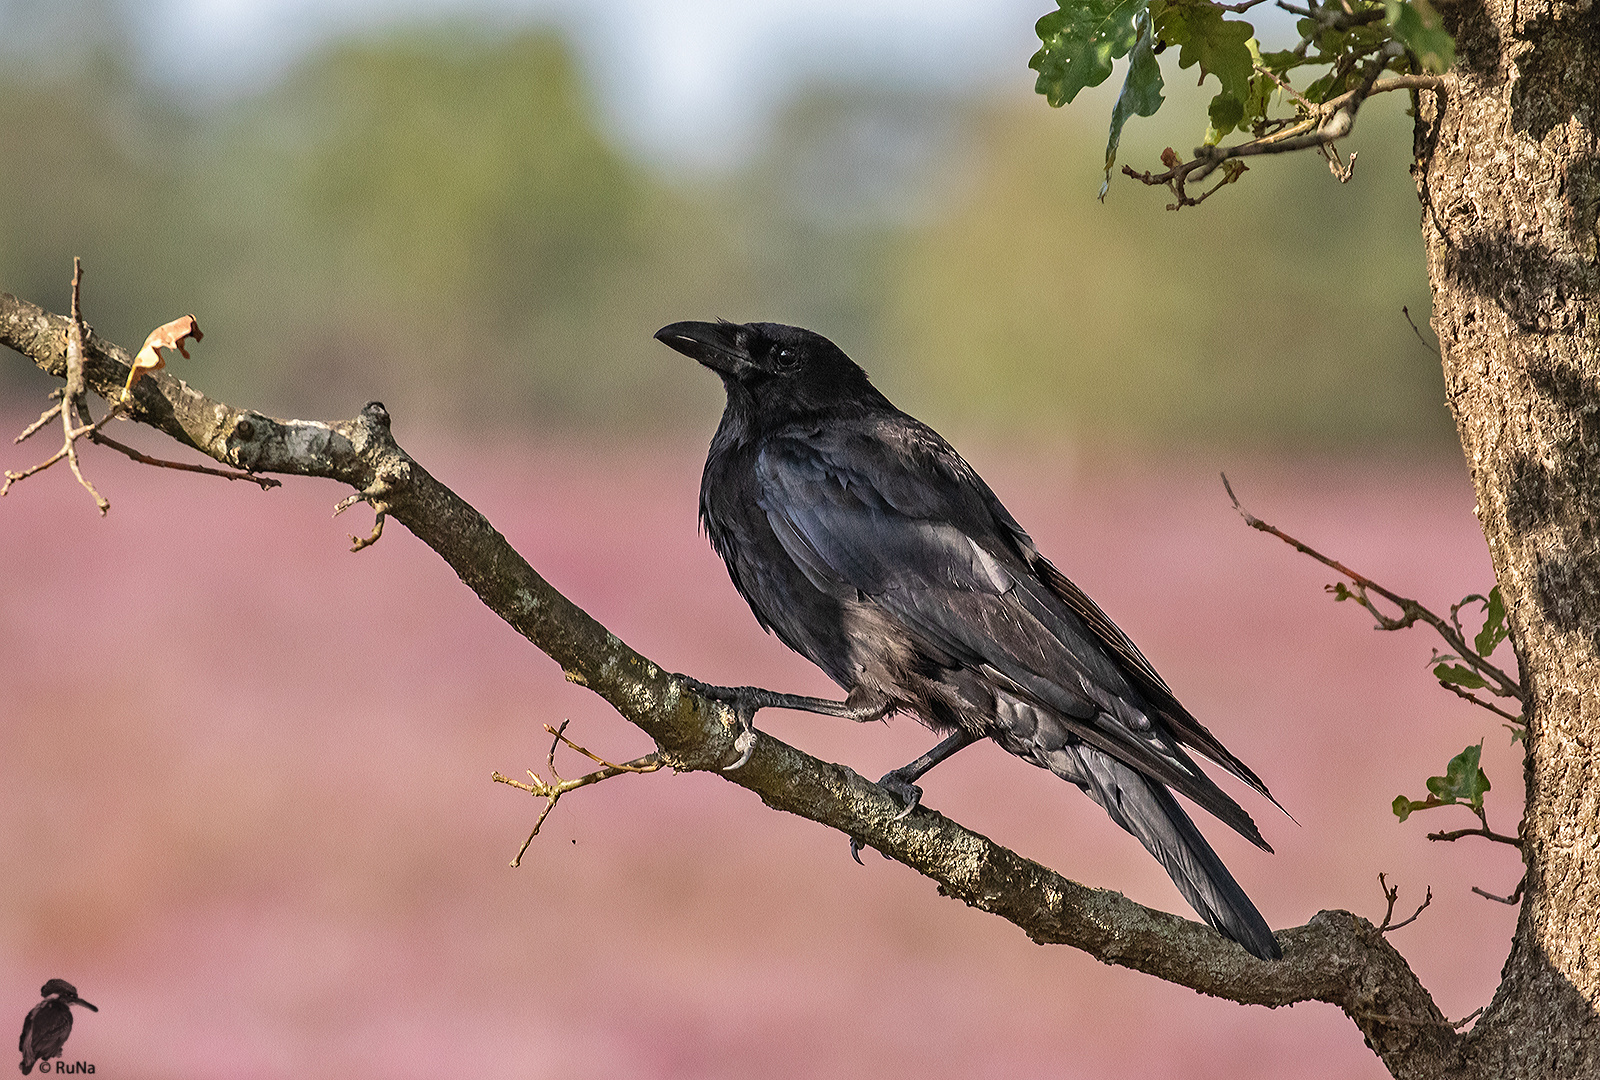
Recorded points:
867,544
47,1025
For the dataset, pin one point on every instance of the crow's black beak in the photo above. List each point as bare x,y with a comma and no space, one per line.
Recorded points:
85,1004
716,345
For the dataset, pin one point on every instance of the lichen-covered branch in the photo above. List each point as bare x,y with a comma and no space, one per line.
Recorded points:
1338,957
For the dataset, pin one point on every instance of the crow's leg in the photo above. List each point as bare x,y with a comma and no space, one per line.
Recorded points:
901,783
746,701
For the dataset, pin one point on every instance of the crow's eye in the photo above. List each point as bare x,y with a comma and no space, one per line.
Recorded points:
786,359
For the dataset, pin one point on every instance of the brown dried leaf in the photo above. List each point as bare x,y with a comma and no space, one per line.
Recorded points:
169,336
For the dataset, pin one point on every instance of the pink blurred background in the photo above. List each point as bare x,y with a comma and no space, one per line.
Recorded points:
247,808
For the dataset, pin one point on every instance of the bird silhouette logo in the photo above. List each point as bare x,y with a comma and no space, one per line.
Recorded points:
48,1024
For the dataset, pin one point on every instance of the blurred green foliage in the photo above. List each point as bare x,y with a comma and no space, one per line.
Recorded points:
1270,315
436,217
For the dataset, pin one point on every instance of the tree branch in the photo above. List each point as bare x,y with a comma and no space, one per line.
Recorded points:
1320,126
1337,957
1411,612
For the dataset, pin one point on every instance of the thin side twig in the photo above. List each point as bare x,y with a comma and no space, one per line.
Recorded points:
552,790
1283,84
145,459
1411,611
1415,329
1391,893
1514,898
1478,701
1483,830
44,418
72,398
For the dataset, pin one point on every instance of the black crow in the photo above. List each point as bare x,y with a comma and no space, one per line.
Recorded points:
866,543
45,1030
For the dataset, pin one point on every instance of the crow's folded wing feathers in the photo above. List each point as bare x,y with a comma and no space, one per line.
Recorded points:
897,517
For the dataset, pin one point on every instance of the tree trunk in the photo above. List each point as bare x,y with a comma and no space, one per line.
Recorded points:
1511,220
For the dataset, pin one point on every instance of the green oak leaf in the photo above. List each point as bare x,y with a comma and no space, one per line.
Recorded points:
1262,87
1462,781
1080,42
1460,675
1216,44
1322,89
1417,26
1404,807
1495,628
1225,113
1282,62
1141,91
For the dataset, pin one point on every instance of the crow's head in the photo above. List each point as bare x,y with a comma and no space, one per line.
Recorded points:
779,369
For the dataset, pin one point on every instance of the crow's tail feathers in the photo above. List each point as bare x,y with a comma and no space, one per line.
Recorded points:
1149,811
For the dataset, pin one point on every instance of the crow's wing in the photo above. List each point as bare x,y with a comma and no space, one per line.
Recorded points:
1185,728
885,510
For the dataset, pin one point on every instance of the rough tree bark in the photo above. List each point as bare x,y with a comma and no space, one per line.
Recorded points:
1511,221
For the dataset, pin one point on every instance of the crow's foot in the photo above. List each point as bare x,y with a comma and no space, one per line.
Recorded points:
908,794
745,702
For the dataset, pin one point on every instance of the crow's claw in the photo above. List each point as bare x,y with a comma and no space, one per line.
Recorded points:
745,701
745,743
909,794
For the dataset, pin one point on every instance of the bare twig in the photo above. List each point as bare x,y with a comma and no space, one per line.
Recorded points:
552,790
1514,898
1478,701
44,418
71,405
72,397
1483,830
1391,893
145,459
1411,611
1433,349
358,543
1341,171
1283,84
1231,172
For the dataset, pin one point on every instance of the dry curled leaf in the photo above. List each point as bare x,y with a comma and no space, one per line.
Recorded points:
169,336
